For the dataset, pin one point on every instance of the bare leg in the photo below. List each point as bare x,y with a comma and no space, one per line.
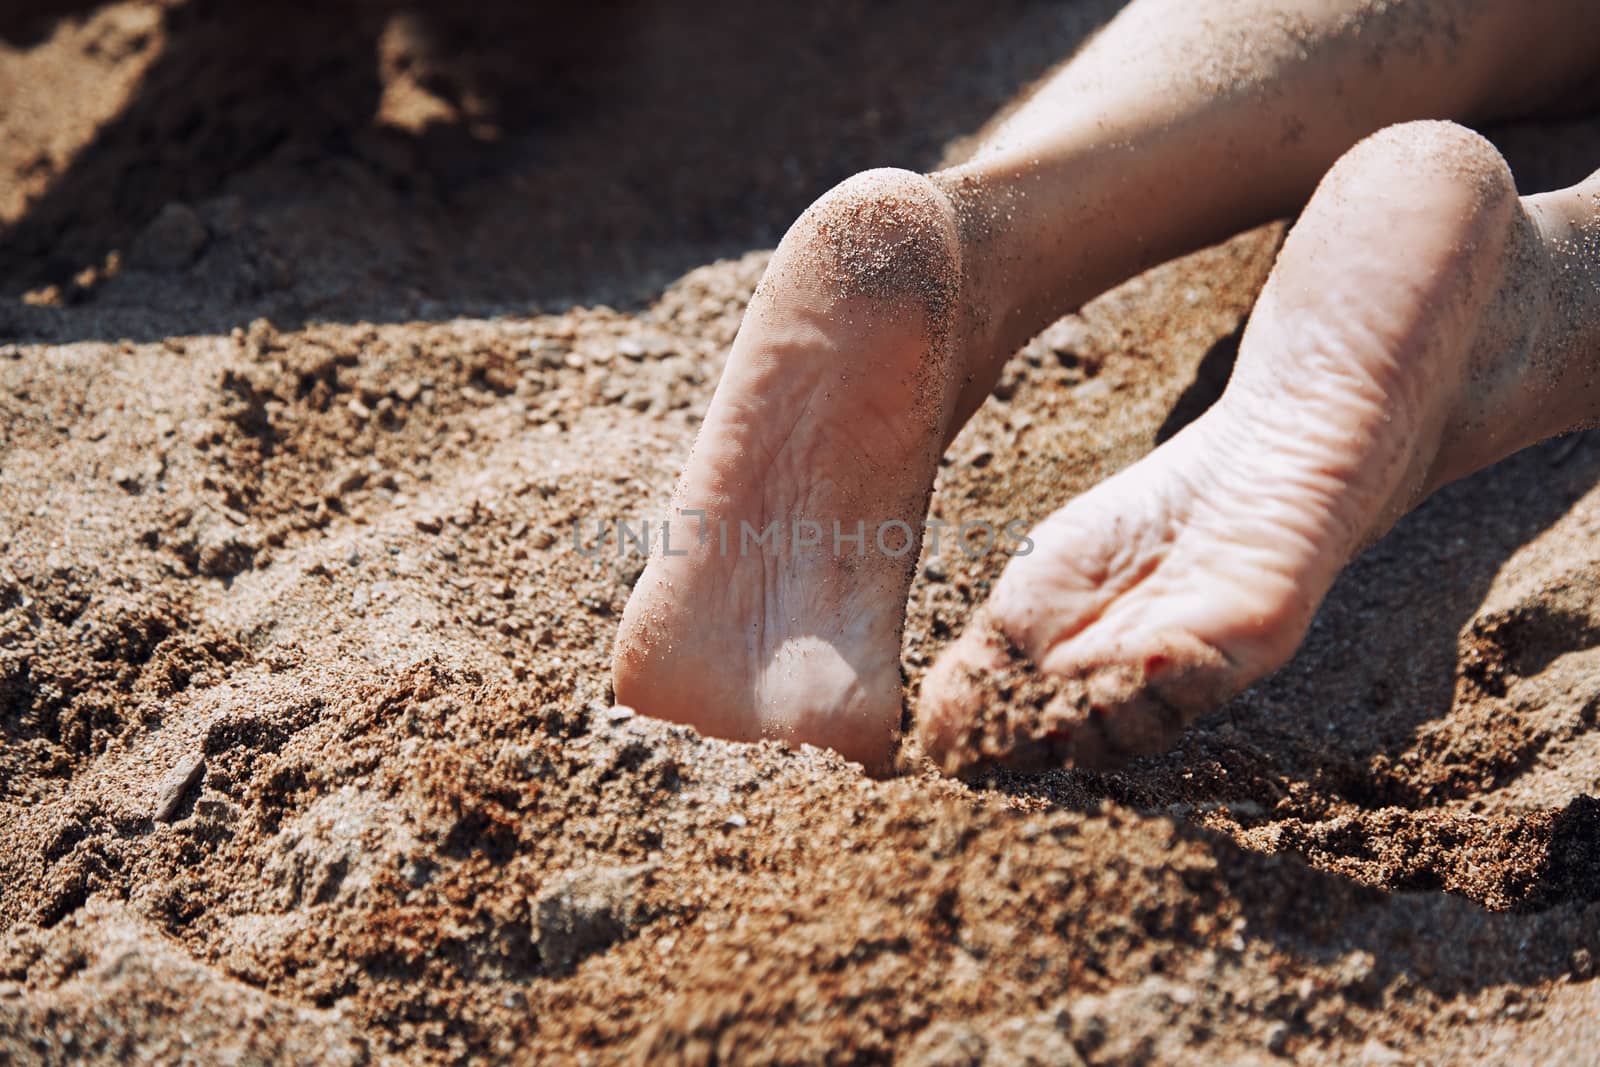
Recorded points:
1365,381
1185,123
890,306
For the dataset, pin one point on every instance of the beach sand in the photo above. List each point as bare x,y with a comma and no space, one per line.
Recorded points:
321,326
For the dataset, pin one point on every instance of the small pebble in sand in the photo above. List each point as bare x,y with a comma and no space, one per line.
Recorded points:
221,551
620,713
343,482
172,239
586,911
175,784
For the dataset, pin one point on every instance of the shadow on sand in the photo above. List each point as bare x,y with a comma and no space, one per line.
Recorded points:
423,159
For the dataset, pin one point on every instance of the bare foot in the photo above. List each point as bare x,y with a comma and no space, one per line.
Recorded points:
1410,333
837,400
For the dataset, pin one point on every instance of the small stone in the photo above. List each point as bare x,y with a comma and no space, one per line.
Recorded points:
1358,972
344,482
935,572
587,911
171,241
429,524
358,409
736,821
408,390
221,551
175,784
1277,1038
620,713
631,348
543,539
1068,336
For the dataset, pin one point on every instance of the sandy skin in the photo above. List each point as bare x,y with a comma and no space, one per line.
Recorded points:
1365,381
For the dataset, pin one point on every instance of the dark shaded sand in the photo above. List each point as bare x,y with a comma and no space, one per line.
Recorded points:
307,747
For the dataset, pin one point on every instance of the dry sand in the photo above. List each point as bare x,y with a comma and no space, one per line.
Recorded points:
308,750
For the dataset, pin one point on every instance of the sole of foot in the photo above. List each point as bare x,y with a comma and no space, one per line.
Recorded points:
1400,343
795,528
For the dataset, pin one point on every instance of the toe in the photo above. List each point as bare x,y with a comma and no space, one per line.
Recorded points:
987,702
956,693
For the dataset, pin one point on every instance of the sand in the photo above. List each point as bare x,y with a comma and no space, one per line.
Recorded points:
309,754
